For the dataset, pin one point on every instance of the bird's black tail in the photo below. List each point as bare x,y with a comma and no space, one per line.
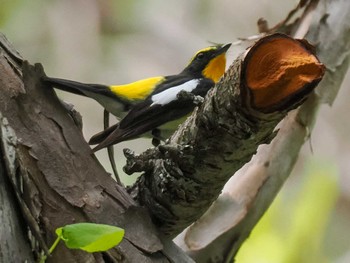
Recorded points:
78,87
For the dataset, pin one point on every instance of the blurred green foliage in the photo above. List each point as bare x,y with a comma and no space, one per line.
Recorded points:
8,7
293,229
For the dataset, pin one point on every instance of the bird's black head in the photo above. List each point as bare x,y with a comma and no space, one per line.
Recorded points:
209,62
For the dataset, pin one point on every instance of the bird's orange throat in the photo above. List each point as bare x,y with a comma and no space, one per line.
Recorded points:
215,68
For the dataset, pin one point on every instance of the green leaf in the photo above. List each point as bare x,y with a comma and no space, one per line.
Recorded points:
90,237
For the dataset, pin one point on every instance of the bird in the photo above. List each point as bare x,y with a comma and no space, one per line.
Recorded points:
169,101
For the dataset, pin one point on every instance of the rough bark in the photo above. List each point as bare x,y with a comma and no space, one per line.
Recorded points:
14,245
56,179
185,176
250,191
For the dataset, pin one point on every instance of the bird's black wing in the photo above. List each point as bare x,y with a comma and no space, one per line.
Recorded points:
144,110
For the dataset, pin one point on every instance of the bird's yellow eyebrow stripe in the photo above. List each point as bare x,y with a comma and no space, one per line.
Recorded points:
137,90
205,49
202,50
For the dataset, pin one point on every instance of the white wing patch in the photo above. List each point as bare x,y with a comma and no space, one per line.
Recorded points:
170,94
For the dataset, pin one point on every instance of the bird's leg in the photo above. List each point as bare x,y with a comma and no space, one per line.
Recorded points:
110,149
185,95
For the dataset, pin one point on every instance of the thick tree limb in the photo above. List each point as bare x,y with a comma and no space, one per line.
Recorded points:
250,191
184,177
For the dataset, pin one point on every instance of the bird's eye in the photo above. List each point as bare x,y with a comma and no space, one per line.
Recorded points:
200,55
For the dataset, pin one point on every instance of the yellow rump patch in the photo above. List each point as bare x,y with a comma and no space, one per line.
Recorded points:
215,68
137,90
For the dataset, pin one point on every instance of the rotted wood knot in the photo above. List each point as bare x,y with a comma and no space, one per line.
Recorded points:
188,96
171,154
140,162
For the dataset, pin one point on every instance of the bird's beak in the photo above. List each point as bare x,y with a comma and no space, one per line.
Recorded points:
223,49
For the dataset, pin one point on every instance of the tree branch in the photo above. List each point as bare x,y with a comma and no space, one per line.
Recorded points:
249,193
185,176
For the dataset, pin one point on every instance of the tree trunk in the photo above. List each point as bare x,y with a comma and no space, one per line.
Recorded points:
49,167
